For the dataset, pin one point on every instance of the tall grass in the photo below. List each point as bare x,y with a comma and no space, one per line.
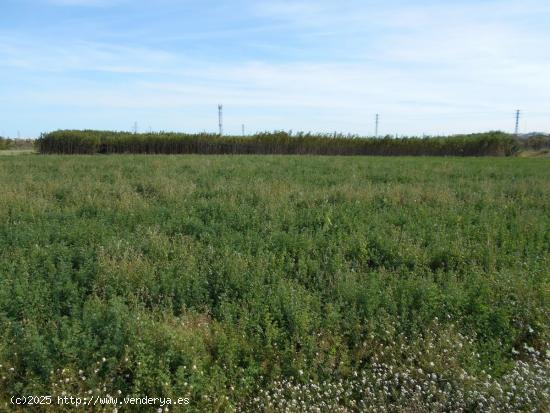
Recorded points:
281,143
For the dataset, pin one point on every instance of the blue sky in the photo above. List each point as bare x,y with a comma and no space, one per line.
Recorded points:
434,67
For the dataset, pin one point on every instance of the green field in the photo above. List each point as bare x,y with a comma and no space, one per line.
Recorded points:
259,283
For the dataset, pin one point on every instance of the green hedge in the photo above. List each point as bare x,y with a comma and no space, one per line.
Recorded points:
105,142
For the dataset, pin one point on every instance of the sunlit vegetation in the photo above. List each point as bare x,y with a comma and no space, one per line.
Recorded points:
91,142
17,144
265,283
4,143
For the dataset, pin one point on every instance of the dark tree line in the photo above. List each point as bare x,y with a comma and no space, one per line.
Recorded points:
283,143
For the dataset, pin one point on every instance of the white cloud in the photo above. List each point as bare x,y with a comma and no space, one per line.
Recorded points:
439,68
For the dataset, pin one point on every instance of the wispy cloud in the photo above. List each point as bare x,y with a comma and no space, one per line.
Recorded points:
84,3
67,56
425,67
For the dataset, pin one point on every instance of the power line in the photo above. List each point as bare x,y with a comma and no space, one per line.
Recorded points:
376,127
220,118
518,112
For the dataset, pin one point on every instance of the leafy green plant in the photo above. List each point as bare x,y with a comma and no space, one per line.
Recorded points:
228,279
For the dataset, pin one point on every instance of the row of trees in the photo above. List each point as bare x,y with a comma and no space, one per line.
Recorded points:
536,142
7,143
105,142
4,143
